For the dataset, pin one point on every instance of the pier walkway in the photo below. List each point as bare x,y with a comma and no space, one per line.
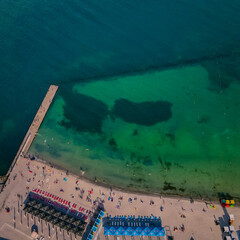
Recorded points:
33,129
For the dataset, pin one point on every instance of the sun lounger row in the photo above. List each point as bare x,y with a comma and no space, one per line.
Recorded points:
63,204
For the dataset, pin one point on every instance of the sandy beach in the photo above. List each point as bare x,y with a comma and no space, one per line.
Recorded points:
196,216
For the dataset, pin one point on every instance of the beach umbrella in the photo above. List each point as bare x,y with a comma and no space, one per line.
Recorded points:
38,206
58,223
138,231
63,217
80,228
162,232
77,223
54,220
30,209
68,227
65,227
57,214
74,229
112,230
51,211
79,233
155,232
102,213
32,202
45,216
42,214
129,231
35,211
121,231
45,208
38,213
83,223
146,231
26,207
49,218
107,230
62,224
70,220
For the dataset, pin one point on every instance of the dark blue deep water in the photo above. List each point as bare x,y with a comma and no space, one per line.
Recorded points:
68,41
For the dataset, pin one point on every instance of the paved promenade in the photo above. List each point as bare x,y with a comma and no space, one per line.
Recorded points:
33,129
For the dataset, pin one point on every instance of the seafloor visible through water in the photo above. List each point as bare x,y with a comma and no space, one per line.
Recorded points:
149,90
171,131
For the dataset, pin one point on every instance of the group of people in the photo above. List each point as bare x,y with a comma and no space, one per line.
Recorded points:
181,228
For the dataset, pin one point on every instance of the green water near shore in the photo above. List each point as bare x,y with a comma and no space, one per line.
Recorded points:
194,152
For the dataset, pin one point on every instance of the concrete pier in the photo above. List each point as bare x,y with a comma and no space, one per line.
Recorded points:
33,129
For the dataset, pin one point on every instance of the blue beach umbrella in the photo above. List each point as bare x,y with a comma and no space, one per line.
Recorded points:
129,231
138,230
90,237
106,230
142,232
121,230
155,232
147,230
162,232
102,213
112,230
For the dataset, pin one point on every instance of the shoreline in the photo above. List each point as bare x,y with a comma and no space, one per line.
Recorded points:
132,191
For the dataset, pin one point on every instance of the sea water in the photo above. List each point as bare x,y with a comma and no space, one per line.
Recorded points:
164,132
187,54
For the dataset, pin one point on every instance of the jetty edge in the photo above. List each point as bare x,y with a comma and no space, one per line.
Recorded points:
35,125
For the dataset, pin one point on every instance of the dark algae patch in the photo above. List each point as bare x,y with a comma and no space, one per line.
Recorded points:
83,113
144,113
168,186
113,143
222,72
181,189
135,132
147,161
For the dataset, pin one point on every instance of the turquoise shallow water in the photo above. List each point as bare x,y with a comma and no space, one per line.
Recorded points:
192,152
87,48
